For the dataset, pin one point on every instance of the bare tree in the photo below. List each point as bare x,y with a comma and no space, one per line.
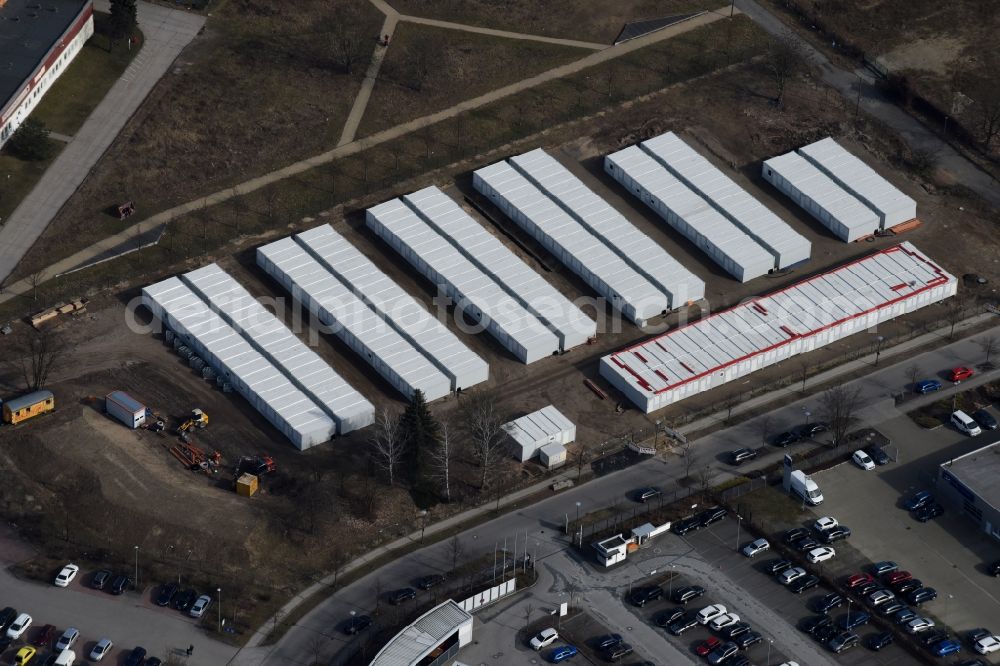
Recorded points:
729,404
582,458
34,279
440,459
804,374
988,343
686,452
527,615
38,351
912,373
387,443
956,310
839,406
455,547
316,644
985,107
344,35
764,427
782,60
485,425
705,481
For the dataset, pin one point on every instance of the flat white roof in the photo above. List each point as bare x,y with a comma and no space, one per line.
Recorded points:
538,426
755,327
424,634
637,249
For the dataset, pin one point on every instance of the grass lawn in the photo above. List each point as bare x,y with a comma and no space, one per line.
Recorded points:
428,69
18,177
596,21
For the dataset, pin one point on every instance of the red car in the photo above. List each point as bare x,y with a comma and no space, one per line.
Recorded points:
897,576
859,579
707,646
44,636
960,373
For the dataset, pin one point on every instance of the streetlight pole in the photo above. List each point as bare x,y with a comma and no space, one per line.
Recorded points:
136,584
739,524
670,592
218,592
848,620
878,348
770,641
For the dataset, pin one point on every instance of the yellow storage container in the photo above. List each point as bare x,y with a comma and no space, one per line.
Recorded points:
246,485
28,406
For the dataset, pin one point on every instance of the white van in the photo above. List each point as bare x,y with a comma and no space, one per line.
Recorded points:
66,658
965,424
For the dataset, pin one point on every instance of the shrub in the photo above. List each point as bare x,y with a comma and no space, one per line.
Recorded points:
31,141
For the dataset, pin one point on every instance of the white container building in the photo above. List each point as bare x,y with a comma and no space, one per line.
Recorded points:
532,431
808,315
125,408
552,455
462,366
350,319
490,255
473,291
890,205
266,388
820,196
636,248
570,242
268,335
690,215
784,243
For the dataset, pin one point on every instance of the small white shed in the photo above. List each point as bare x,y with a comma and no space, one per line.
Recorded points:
533,431
552,455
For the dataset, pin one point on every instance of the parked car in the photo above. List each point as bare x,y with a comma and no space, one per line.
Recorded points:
544,638
357,624
788,576
607,641
67,640
880,640
184,600
756,547
100,579
725,620
687,621
200,605
821,554
987,644
703,648
682,527
984,419
925,386
815,624
664,618
740,456
647,494
946,648
617,651
918,624
865,588
927,512
713,515
921,595
863,460
748,639
735,630
929,638
878,455
643,595
562,653
835,534
884,567
399,596
807,582
119,584
775,567
843,642
994,568
812,429
908,585
918,499
24,656
961,373
167,593
904,615
965,424
854,620
880,596
828,602
66,575
890,607
795,534
687,593
429,581
44,636
785,439
897,576
720,654
825,523
709,613
101,649
805,545
136,657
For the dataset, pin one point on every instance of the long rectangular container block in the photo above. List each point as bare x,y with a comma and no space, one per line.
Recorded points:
491,256
269,336
689,214
731,344
751,216
254,377
474,292
577,248
836,208
533,431
350,319
389,301
633,246
884,199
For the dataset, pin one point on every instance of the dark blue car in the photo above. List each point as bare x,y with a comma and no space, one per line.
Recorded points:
919,499
928,386
854,620
946,647
562,653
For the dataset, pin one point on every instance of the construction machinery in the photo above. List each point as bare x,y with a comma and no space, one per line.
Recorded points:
195,458
258,465
197,419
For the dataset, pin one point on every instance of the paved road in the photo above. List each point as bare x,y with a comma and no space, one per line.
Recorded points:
128,620
167,32
915,134
540,525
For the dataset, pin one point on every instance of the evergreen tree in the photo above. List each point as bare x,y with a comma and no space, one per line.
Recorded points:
31,141
421,431
123,18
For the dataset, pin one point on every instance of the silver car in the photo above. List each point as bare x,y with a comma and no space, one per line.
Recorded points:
200,605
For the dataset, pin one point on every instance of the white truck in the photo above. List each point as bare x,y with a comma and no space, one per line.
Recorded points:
806,488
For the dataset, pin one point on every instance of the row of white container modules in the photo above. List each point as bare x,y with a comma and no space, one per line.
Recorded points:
787,246
279,345
633,246
509,271
474,292
810,314
820,196
352,320
571,243
267,389
890,205
690,215
388,300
